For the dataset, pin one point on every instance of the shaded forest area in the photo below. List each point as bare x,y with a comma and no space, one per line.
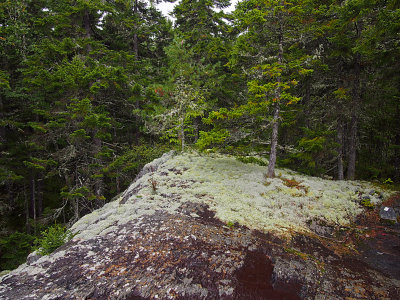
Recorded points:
90,91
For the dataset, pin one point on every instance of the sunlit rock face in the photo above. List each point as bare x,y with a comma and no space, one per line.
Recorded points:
210,227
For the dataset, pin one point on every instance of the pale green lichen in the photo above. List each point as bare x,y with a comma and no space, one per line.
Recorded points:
4,272
237,192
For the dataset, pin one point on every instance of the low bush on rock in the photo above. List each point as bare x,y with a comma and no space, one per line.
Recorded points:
52,238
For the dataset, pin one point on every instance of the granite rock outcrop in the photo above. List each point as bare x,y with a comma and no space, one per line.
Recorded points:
210,227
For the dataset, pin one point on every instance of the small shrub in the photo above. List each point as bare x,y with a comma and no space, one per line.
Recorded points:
52,238
230,224
367,203
388,181
14,249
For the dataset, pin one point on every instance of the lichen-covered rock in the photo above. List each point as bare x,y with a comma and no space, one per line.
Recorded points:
388,214
34,256
167,237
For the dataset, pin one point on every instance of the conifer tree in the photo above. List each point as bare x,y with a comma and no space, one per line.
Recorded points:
271,37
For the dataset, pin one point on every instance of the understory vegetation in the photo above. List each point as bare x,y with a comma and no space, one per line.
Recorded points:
91,91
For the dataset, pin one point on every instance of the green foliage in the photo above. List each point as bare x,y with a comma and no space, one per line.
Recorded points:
14,249
4,80
52,238
212,138
186,100
230,224
38,164
388,181
125,167
367,203
133,159
75,193
312,152
7,176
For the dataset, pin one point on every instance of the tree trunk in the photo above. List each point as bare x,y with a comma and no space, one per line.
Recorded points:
274,142
356,97
135,36
27,224
183,133
39,197
275,125
76,209
76,201
340,172
137,120
2,128
99,184
396,159
351,167
86,25
117,185
33,201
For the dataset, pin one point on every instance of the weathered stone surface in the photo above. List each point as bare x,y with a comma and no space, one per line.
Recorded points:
169,256
321,228
174,243
388,214
148,168
34,256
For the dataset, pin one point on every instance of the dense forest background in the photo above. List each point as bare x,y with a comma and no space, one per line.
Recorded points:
90,91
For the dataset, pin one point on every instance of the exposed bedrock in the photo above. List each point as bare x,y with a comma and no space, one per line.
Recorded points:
169,236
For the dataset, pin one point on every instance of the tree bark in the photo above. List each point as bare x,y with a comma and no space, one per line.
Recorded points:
76,209
351,167
27,224
117,185
137,121
99,184
274,142
39,197
275,125
340,172
183,133
33,200
135,36
356,102
2,128
76,201
86,25
396,159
